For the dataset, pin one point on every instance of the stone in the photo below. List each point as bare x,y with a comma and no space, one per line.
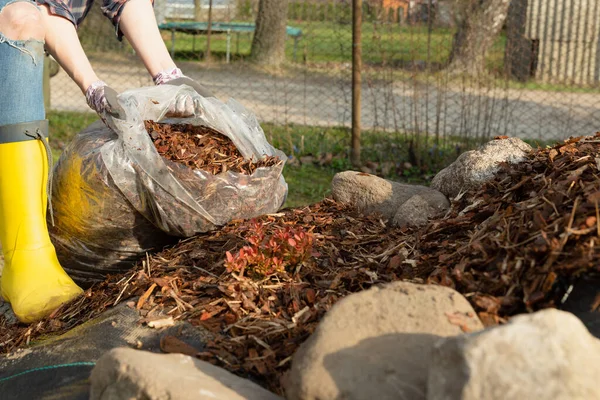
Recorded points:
375,344
307,160
127,374
418,210
387,167
547,355
474,167
326,159
371,194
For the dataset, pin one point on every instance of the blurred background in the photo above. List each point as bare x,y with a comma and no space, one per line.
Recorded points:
438,76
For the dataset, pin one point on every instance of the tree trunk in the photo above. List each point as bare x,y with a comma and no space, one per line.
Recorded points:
268,45
518,55
198,10
480,23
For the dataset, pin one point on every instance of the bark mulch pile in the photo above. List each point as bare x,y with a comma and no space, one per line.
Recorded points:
200,147
261,286
315,255
526,236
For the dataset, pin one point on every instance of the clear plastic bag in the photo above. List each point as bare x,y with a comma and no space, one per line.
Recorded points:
115,198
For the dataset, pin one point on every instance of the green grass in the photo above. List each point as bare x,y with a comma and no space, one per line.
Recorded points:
307,184
327,42
427,154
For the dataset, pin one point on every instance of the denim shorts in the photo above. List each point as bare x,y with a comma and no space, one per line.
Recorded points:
21,86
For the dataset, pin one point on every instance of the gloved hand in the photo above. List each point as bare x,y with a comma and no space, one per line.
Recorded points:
103,99
184,105
175,77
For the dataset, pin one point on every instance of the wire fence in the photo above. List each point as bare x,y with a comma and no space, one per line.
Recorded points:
541,78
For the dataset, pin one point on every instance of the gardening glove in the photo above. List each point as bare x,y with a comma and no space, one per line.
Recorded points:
184,106
103,99
175,77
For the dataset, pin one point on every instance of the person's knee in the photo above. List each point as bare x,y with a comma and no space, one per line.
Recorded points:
21,21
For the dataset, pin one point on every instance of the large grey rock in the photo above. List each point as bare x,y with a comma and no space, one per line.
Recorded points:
376,344
372,194
127,374
418,210
548,355
475,167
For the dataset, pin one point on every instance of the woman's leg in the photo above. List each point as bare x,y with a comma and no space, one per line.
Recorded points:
32,279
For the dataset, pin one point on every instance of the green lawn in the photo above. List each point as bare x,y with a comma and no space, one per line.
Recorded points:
326,42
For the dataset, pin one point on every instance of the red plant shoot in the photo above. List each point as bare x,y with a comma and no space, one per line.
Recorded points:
269,253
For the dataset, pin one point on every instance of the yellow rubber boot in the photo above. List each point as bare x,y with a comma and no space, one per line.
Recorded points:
33,281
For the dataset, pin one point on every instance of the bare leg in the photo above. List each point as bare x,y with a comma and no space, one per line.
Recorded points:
21,21
139,26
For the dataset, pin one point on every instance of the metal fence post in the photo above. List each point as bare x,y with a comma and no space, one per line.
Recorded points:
228,55
356,80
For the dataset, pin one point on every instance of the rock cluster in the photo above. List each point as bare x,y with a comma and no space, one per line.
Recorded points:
413,205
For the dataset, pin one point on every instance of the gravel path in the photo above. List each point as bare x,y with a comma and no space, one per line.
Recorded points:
324,101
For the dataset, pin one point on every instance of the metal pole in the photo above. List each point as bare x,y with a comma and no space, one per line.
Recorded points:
228,45
295,47
208,32
356,80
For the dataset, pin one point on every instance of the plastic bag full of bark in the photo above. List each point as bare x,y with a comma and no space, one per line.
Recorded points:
147,181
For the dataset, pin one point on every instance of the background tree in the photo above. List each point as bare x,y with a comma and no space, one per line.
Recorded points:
198,10
268,44
518,54
479,23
